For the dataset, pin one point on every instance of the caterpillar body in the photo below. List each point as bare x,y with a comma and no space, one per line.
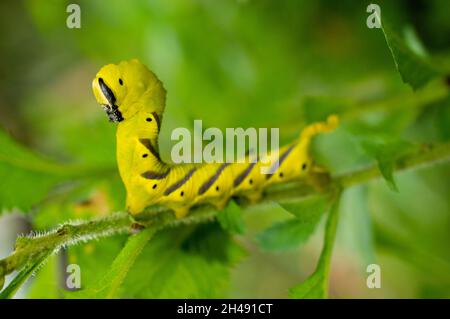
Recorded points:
133,97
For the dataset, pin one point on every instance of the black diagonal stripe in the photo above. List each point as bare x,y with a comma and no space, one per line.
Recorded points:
148,144
240,178
206,185
281,160
158,123
180,183
155,175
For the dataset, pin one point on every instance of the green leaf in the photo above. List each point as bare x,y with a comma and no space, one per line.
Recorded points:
109,285
415,70
185,262
309,209
2,274
46,284
95,257
23,275
230,218
386,154
88,198
356,225
316,286
293,232
26,177
285,235
413,41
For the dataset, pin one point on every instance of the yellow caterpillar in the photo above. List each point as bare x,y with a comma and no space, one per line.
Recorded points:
134,97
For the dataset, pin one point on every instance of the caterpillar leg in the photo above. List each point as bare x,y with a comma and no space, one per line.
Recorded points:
254,196
181,211
318,169
319,178
135,207
220,205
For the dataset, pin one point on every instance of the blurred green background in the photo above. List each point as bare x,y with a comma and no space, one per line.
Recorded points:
232,63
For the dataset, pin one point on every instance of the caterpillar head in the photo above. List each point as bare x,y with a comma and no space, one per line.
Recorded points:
126,88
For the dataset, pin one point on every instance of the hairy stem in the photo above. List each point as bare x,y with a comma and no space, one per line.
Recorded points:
28,249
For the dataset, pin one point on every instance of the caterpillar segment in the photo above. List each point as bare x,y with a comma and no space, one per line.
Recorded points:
133,97
291,162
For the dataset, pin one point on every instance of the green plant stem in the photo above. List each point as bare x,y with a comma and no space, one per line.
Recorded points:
29,248
429,95
427,155
434,92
